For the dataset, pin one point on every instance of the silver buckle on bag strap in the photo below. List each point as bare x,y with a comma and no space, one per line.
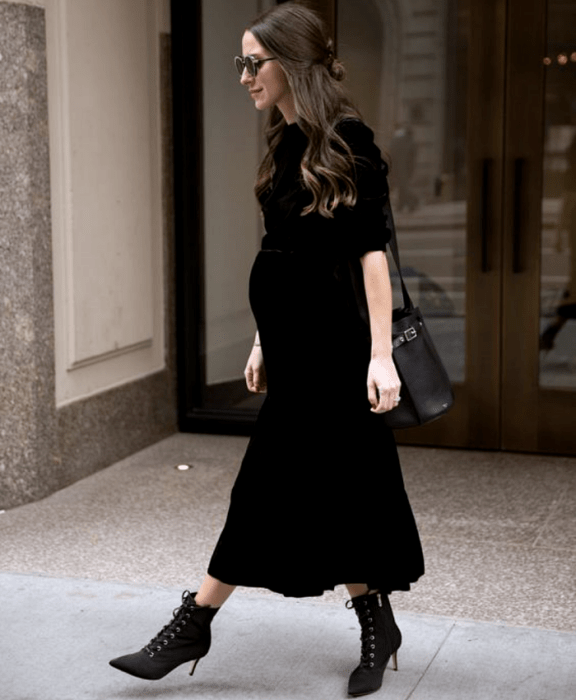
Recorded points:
405,337
410,334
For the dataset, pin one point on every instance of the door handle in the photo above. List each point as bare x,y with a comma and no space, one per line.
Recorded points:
486,182
518,225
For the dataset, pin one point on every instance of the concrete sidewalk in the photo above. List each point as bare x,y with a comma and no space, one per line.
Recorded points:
59,634
95,570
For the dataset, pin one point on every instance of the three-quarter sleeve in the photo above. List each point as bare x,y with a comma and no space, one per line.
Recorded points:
364,227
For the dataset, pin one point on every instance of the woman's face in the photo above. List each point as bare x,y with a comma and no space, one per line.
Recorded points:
269,86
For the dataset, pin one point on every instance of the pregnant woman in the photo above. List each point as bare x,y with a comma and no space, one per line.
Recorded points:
319,500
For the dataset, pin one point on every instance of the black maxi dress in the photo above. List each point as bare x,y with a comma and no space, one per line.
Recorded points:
319,499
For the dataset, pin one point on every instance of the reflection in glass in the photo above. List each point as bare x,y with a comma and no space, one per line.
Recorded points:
407,73
232,224
558,280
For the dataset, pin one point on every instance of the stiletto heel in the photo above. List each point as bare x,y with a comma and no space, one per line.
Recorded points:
395,661
193,667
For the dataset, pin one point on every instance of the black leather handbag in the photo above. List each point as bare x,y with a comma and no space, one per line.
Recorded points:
426,392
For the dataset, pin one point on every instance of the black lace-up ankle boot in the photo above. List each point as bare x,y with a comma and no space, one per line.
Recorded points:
186,638
381,639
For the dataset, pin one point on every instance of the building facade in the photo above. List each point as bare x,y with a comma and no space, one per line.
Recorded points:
129,222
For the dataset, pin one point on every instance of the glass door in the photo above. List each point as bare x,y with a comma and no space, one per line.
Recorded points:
475,103
428,77
539,301
217,147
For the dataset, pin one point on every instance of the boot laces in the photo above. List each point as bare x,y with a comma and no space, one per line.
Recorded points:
367,637
180,617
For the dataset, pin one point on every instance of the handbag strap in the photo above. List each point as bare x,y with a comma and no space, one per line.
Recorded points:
396,256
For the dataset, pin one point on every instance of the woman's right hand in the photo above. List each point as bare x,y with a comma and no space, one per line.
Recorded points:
255,372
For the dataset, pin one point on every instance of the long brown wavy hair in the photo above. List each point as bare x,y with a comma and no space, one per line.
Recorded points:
297,37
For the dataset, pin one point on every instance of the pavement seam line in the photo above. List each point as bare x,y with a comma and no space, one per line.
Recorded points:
431,661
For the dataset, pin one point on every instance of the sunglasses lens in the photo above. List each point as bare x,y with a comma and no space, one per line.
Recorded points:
250,66
247,63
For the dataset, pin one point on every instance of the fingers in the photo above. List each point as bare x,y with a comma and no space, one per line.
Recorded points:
383,403
249,378
386,398
259,382
255,380
383,384
373,395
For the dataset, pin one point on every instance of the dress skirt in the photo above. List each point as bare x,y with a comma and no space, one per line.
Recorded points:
319,499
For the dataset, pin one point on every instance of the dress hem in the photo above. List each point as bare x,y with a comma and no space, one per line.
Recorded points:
318,592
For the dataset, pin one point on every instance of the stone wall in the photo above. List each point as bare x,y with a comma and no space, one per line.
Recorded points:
43,448
29,464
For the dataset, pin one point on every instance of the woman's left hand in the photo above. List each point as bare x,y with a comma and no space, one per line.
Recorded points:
383,384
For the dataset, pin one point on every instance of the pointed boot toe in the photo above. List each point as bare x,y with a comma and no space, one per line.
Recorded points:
363,681
141,665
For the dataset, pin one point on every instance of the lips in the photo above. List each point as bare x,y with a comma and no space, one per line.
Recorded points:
255,92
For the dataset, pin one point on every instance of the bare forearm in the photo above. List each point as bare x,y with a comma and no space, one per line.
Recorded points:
379,297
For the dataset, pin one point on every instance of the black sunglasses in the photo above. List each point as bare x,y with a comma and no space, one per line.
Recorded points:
251,64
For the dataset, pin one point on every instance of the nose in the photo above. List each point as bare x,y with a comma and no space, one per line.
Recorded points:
245,78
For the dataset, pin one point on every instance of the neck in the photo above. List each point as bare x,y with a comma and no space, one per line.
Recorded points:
288,109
